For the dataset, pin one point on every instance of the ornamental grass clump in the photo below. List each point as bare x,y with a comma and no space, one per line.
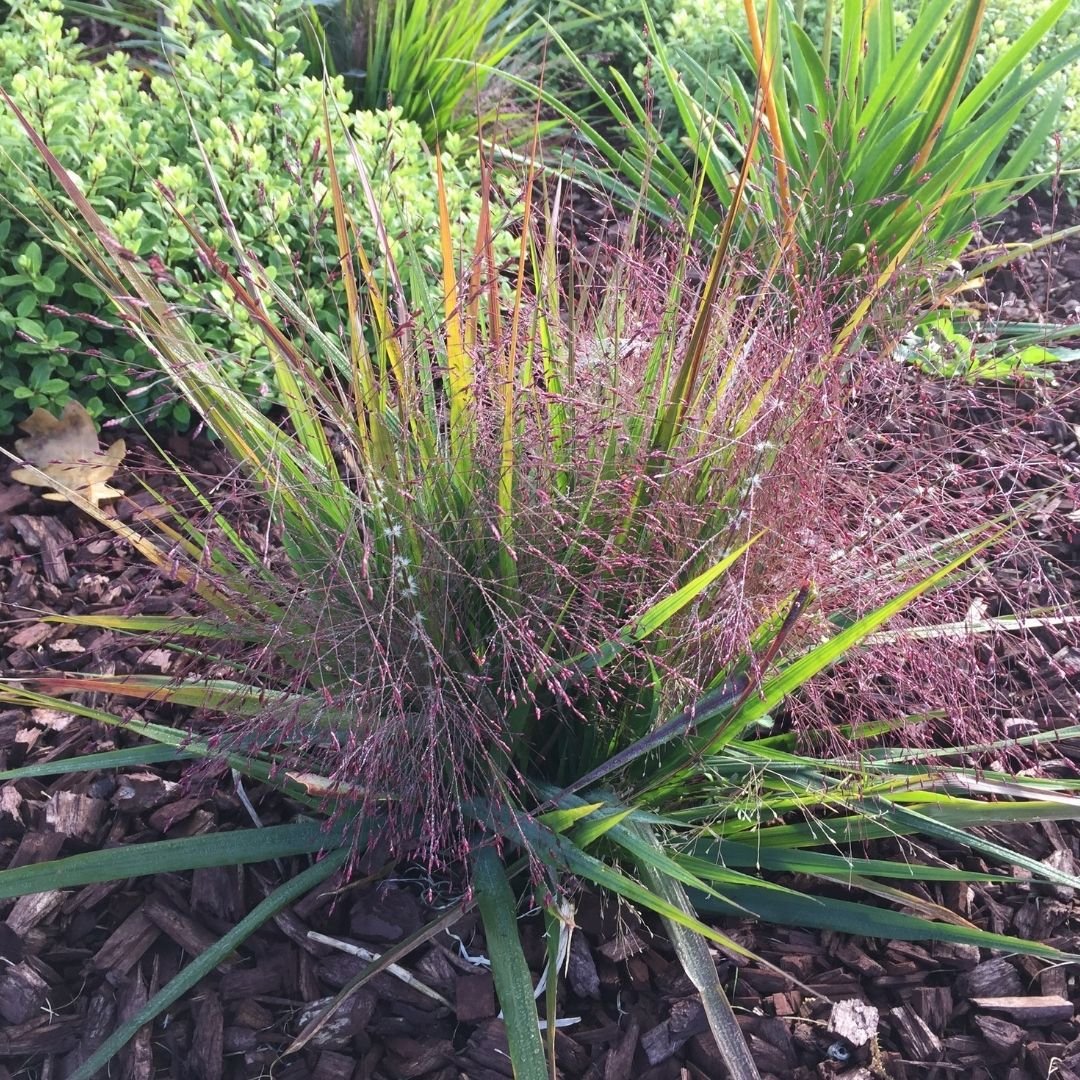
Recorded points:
532,566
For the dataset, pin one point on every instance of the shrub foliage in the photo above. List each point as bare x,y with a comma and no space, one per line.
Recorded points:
132,142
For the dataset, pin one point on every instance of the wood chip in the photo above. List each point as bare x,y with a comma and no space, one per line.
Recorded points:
22,992
474,997
918,1041
182,928
33,908
31,636
72,814
207,1050
994,978
1003,1038
1028,1011
51,537
854,1020
126,945
620,1060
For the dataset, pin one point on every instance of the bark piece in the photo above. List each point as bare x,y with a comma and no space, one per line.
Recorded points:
623,946
138,1056
663,1041
1028,1011
994,978
331,1066
415,1057
934,1004
918,1041
474,998
29,637
207,1047
619,1063
36,847
859,961
241,983
581,969
45,1035
72,814
126,945
22,992
487,1052
1003,1038
854,1020
31,909
99,1024
182,928
51,537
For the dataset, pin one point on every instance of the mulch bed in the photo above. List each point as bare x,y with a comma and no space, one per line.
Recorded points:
79,961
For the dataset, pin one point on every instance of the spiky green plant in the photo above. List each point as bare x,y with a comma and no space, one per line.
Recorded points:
430,58
895,159
538,580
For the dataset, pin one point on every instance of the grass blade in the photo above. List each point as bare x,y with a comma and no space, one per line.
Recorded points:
513,983
199,968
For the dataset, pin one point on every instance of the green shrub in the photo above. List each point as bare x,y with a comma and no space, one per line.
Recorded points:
259,127
430,58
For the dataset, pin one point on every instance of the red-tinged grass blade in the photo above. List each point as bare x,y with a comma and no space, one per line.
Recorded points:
765,51
967,30
154,624
250,763
365,385
205,963
216,694
513,983
684,388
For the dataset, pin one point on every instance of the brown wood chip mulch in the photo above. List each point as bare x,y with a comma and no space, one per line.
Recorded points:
76,962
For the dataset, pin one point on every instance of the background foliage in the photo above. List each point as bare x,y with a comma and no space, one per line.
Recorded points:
259,127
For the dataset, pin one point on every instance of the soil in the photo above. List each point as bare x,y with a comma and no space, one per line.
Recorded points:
79,961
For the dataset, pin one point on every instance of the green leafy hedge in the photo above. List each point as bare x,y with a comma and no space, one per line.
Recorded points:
122,133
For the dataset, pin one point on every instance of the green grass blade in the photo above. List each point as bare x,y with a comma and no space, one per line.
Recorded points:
848,917
109,759
693,953
513,983
169,856
199,968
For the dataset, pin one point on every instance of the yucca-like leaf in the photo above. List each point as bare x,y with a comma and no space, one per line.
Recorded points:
694,956
513,983
168,856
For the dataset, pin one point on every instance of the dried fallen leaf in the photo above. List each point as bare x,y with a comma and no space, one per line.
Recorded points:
66,450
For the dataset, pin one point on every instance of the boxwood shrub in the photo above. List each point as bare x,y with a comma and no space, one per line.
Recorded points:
121,132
